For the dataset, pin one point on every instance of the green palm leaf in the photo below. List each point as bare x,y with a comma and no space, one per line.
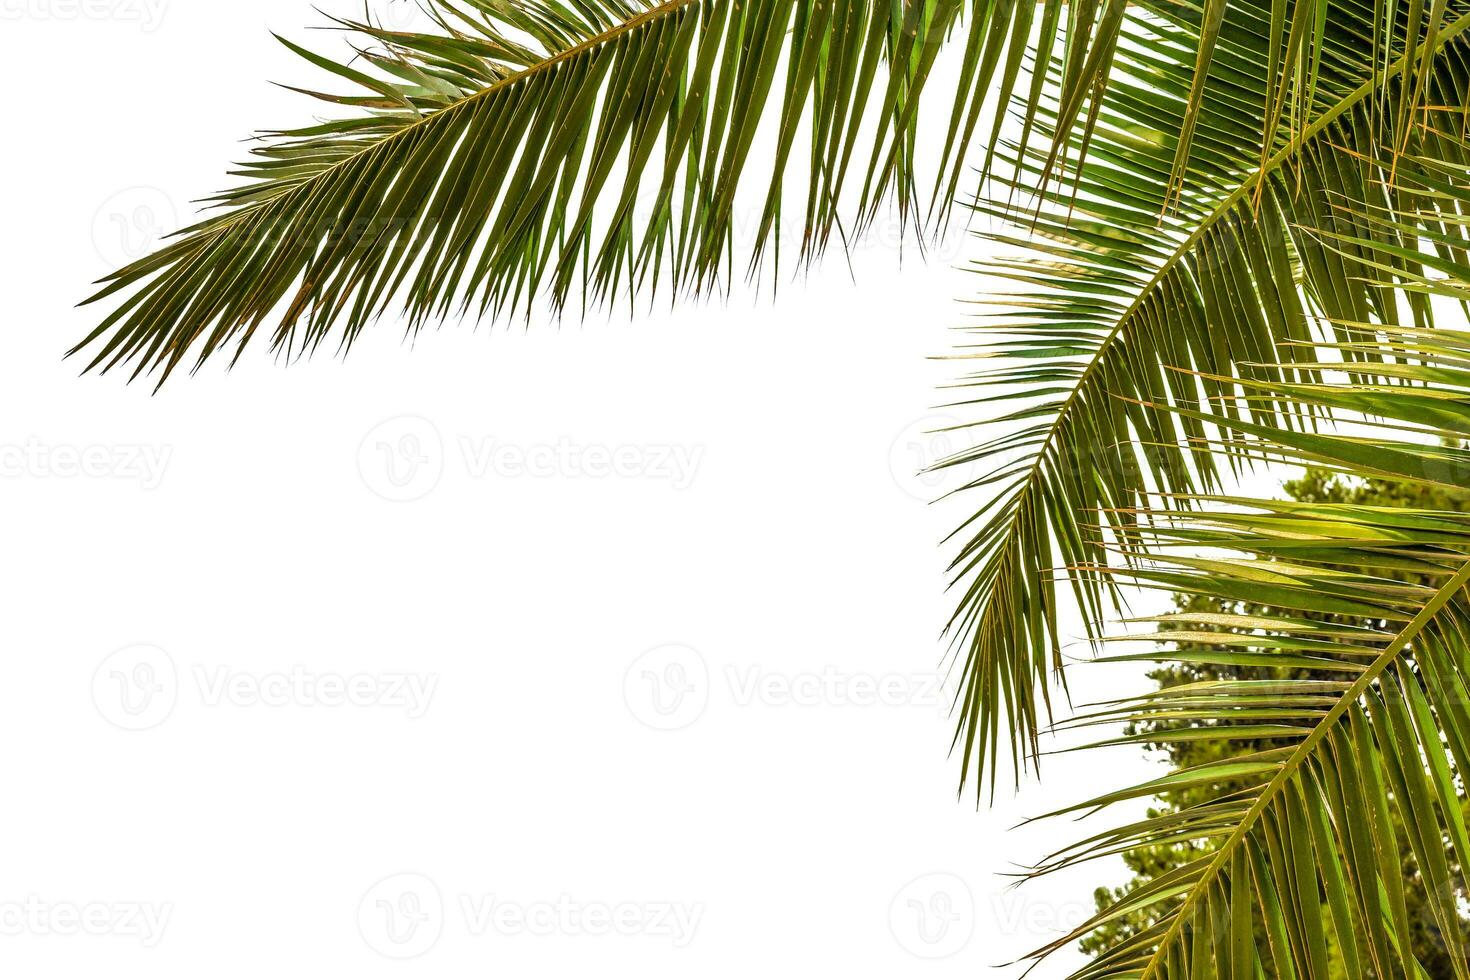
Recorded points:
573,147
1388,736
1108,292
1303,864
1236,219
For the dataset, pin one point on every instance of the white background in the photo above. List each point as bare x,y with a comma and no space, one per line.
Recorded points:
801,833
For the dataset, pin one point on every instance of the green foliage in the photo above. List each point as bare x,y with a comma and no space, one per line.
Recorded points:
1151,862
579,149
1244,238
1269,246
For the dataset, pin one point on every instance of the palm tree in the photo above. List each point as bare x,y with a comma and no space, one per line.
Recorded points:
1238,227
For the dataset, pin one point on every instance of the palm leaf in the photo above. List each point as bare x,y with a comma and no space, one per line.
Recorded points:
575,148
1107,292
1303,864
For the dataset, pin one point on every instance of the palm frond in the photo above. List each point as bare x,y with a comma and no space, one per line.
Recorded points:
575,148
1284,135
1381,746
1298,869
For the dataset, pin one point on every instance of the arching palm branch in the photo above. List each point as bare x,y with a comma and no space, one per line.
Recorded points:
1235,218
1110,293
1305,869
578,146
